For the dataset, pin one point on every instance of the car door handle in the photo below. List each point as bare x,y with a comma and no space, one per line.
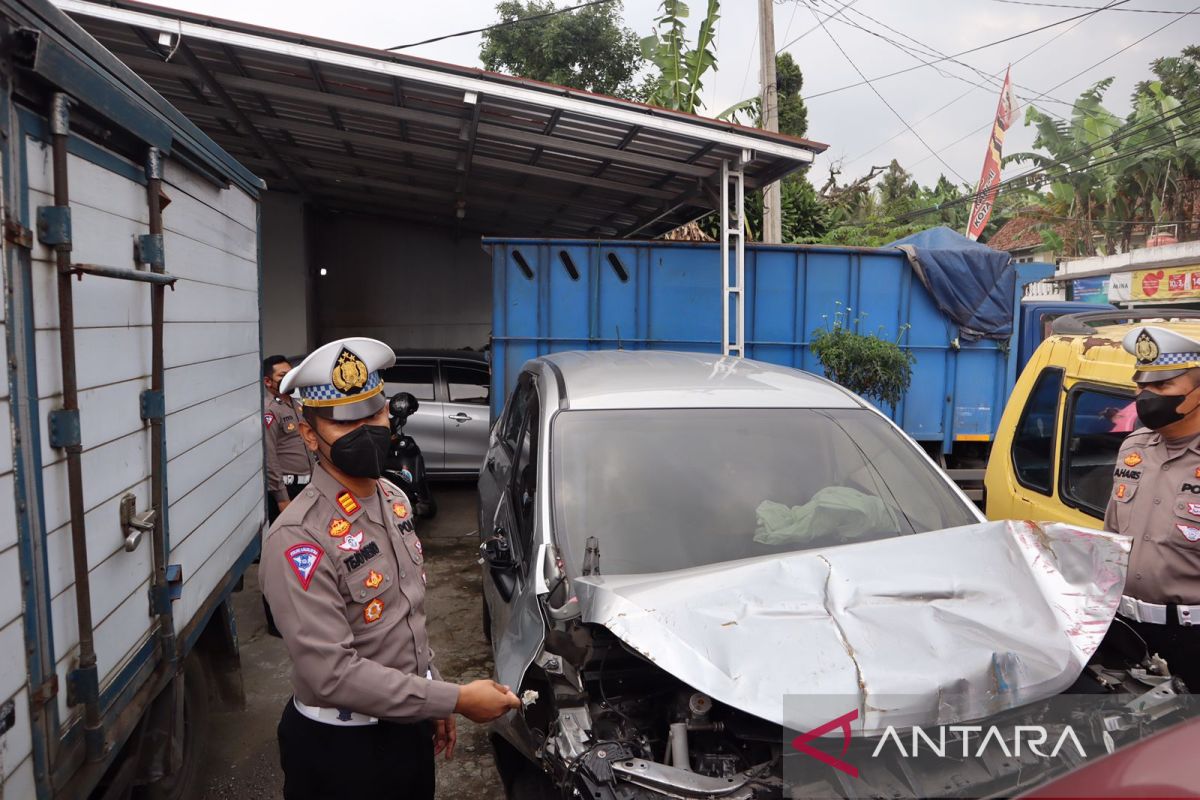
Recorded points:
459,417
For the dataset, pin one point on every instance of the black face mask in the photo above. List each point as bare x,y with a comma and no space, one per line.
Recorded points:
1159,410
361,452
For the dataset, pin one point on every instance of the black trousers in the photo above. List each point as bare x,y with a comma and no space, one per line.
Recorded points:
388,761
1180,646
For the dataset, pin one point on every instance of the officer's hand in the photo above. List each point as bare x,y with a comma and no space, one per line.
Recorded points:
484,701
284,504
445,736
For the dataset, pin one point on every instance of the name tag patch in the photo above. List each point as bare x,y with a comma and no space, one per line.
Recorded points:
303,559
1190,487
1128,474
1190,533
370,550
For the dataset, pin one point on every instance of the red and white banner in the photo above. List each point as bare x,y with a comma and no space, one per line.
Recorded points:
1007,114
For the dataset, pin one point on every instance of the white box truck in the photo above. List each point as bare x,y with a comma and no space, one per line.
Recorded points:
131,488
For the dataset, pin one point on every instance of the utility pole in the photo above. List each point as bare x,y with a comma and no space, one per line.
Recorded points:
772,205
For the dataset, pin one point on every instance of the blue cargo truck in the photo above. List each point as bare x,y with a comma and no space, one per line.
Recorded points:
131,488
552,295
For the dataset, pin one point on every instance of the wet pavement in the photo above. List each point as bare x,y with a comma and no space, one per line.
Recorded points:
242,759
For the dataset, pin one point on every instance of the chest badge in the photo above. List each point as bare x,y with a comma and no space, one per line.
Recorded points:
347,503
1198,472
303,559
1189,532
1122,490
1194,509
373,580
400,511
339,527
290,427
352,543
268,418
373,611
1133,459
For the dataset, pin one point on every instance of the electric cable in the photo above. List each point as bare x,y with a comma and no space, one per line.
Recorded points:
505,24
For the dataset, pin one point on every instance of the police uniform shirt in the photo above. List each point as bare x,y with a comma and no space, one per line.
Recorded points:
286,452
1156,500
345,580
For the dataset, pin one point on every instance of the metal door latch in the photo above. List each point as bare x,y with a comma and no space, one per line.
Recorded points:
135,524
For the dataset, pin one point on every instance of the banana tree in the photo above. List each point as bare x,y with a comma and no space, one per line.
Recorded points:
681,67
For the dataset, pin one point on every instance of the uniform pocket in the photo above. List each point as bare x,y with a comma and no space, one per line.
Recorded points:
366,583
413,545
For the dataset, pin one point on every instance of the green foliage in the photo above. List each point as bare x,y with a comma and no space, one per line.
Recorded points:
866,364
586,49
680,67
793,114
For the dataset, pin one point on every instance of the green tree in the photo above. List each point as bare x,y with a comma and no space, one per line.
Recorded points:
587,49
680,66
793,114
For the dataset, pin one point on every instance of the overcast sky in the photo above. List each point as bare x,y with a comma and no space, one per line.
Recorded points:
854,122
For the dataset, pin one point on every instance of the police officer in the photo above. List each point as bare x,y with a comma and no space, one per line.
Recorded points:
289,465
1156,500
344,572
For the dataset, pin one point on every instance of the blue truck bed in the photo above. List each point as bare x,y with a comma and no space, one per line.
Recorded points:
553,295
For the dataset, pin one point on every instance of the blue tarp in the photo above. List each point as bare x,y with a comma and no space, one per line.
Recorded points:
971,283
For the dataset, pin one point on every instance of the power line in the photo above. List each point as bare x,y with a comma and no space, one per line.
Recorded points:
878,94
1180,16
963,52
1061,5
810,30
1032,52
505,24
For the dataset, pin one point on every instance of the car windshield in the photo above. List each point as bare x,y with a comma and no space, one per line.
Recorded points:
669,489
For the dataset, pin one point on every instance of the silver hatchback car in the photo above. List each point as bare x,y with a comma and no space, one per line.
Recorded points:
675,543
453,390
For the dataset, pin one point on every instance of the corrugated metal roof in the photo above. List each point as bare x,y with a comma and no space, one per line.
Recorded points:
361,129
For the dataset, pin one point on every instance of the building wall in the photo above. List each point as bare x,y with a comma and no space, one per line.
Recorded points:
286,302
412,286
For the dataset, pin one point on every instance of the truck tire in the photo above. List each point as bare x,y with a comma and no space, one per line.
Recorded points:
186,782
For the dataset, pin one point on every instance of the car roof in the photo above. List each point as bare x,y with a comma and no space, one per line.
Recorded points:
1099,356
609,379
474,356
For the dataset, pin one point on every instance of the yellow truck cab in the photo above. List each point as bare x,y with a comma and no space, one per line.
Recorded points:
1054,454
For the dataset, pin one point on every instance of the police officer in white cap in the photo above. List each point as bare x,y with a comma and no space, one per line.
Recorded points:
343,570
1156,499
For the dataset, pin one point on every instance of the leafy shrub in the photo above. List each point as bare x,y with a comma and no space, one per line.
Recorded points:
866,364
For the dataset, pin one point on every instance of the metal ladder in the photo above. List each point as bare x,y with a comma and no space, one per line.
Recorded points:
733,242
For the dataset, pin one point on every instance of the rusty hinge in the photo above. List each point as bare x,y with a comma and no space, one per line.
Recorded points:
17,234
45,693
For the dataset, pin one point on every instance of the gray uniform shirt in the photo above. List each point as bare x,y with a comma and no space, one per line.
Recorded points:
286,451
345,579
1156,500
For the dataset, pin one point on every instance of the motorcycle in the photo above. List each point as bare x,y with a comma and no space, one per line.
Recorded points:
405,465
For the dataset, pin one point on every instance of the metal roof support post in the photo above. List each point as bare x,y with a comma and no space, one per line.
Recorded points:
733,239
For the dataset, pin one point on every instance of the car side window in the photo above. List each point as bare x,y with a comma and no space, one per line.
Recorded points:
467,384
514,413
1033,444
1097,422
524,479
415,378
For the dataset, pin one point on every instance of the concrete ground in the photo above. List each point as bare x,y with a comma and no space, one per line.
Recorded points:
242,760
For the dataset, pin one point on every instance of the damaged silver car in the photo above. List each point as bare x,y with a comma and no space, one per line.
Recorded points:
678,549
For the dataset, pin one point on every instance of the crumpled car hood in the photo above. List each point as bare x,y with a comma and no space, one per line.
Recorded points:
958,624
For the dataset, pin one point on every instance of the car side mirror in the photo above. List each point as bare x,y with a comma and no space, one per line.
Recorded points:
497,554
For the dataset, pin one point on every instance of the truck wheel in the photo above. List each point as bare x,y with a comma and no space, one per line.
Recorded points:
186,782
